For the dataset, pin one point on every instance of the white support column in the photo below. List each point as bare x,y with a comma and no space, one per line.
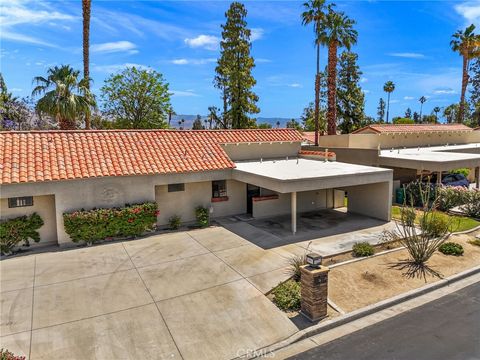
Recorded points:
294,212
477,177
439,178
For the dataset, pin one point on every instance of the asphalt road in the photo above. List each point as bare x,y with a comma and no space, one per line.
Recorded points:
445,329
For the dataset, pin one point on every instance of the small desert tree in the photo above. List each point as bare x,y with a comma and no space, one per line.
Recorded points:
421,232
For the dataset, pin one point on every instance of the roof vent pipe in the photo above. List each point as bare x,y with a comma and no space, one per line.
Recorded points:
261,160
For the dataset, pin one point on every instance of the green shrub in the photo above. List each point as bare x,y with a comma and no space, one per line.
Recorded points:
202,215
451,248
287,295
463,171
363,249
471,207
415,190
22,228
174,222
475,242
94,225
7,355
434,224
451,196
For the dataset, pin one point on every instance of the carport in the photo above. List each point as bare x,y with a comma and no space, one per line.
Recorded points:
434,159
369,188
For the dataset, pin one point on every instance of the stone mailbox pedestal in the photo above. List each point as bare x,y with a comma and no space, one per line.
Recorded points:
314,292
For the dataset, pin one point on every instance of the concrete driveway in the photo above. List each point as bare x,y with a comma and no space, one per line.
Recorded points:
190,295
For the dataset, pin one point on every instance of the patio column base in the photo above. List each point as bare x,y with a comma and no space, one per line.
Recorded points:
294,212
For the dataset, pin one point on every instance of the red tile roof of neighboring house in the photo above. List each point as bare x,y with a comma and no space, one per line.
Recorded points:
316,153
309,136
411,128
64,155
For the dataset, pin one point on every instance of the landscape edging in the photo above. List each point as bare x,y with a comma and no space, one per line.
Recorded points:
365,311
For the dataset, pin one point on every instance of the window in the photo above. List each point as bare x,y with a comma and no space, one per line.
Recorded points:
20,201
176,187
219,189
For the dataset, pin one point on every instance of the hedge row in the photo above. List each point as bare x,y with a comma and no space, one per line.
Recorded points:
101,224
15,230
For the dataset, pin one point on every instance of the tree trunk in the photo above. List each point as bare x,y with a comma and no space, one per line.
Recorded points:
332,88
86,51
317,96
461,108
388,105
66,124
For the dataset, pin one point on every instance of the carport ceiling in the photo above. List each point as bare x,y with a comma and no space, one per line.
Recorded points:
285,176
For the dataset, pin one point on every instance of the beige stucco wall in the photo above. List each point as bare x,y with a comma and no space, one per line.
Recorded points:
374,200
306,201
386,141
43,206
256,151
183,203
103,192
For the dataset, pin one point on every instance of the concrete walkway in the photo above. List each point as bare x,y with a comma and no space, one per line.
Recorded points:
193,295
190,295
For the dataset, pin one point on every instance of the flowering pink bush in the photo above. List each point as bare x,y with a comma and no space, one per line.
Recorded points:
467,199
100,224
7,355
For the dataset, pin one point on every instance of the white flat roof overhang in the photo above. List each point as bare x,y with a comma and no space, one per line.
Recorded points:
285,176
422,159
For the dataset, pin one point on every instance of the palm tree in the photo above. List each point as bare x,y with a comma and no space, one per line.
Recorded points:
422,100
314,13
389,87
65,97
467,44
436,110
86,6
339,32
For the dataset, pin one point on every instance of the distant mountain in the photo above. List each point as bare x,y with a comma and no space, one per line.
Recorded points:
189,119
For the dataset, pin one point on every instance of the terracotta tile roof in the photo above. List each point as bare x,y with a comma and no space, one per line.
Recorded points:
411,128
309,136
63,155
316,153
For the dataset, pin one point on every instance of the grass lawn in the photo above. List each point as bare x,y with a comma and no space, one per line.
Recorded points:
458,223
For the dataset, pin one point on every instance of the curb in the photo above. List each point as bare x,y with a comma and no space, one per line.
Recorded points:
368,310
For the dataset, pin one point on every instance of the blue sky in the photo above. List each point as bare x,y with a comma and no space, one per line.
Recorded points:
403,41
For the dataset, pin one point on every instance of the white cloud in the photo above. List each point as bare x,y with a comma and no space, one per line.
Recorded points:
470,10
363,79
408,98
394,101
184,93
17,37
256,34
208,42
408,55
116,46
184,61
295,85
365,91
446,91
17,13
262,60
15,90
117,67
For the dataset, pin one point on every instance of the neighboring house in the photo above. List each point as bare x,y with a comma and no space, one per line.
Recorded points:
410,150
260,172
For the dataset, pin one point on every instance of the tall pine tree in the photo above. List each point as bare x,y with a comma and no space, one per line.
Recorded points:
381,110
475,92
350,97
234,71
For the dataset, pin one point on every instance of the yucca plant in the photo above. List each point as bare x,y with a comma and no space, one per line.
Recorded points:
421,233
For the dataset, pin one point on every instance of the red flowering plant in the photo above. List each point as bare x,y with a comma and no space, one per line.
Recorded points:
95,225
7,355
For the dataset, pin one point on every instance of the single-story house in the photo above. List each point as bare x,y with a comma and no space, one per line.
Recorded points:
260,172
409,150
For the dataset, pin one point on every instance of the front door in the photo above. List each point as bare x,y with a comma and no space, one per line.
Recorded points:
252,191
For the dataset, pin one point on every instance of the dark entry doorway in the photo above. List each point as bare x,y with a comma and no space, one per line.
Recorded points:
252,191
